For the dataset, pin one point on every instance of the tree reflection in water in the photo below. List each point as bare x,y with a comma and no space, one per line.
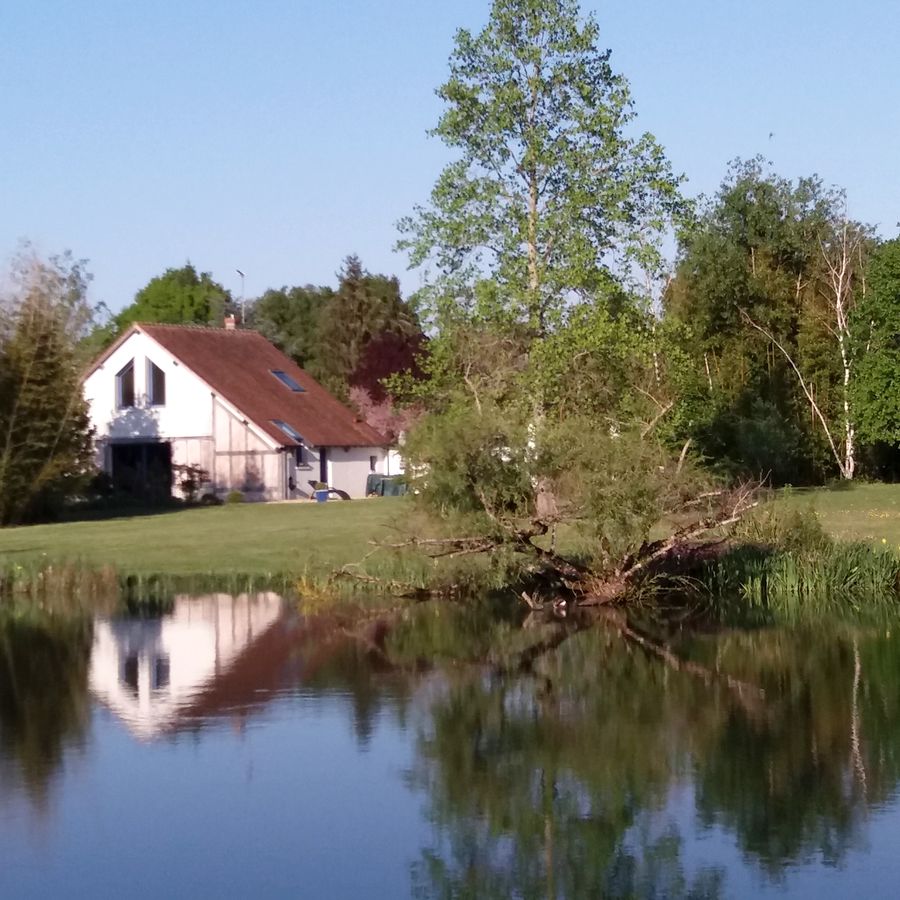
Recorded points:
44,704
559,785
589,775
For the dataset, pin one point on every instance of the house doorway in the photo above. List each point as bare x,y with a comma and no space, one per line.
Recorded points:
142,469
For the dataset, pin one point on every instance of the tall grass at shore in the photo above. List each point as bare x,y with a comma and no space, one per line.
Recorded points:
783,566
75,586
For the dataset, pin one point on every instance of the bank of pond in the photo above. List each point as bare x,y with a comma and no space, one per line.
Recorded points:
457,748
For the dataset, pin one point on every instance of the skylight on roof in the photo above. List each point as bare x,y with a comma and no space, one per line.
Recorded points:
289,430
287,381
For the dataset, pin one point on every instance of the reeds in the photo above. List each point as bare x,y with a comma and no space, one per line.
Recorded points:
74,587
789,585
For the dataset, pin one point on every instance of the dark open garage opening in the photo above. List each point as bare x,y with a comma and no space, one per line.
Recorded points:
143,469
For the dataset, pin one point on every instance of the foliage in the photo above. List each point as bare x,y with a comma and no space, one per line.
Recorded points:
754,292
784,567
289,317
191,479
45,436
365,309
608,488
234,497
179,297
548,188
877,323
386,417
357,336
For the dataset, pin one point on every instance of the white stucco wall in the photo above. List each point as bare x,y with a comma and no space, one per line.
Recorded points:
188,409
350,467
244,461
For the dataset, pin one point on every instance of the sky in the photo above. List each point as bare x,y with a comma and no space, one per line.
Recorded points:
279,136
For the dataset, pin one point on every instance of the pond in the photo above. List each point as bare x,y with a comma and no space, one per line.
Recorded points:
234,747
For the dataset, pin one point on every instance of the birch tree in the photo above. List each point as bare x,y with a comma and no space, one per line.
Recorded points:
552,190
841,284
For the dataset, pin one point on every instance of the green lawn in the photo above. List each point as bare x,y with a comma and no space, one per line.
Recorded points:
863,512
251,539
259,539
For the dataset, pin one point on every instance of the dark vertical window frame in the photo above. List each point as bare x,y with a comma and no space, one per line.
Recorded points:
156,384
125,386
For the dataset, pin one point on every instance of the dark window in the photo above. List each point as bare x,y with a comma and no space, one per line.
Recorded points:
156,384
298,456
289,430
161,670
287,381
130,673
125,386
372,462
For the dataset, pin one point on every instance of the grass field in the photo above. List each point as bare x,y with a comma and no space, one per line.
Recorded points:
862,512
263,539
247,539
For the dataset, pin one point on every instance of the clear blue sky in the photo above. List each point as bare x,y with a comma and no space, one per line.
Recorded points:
278,136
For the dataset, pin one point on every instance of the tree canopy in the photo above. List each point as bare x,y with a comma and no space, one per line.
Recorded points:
765,285
550,188
877,329
179,297
45,437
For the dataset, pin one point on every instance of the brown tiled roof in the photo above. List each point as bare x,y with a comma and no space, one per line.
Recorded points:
238,366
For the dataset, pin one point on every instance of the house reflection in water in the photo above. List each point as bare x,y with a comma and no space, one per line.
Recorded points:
157,674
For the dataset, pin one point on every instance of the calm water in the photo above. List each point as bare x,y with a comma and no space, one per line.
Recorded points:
237,749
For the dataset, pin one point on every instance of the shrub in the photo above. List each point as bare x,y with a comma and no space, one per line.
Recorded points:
234,497
785,567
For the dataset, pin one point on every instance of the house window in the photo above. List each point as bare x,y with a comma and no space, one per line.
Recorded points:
373,461
287,381
130,673
299,461
156,384
125,386
161,672
289,430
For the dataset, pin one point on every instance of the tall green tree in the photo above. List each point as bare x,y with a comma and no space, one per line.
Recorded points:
877,329
179,297
364,309
289,317
763,292
45,435
550,190
545,387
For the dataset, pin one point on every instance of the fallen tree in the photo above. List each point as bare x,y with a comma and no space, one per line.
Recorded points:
578,516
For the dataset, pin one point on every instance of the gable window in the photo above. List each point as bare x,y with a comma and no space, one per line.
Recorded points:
289,430
156,384
125,386
287,381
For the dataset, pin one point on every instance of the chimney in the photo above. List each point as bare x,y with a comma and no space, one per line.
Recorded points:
229,323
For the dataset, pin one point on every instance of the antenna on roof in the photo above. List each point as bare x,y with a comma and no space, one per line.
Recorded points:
243,309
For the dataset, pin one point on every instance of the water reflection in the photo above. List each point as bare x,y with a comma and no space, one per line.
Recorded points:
205,656
564,784
598,772
44,705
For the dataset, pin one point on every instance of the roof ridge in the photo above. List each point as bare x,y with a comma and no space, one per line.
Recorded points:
190,326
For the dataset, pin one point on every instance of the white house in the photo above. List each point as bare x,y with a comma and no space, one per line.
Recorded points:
226,400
